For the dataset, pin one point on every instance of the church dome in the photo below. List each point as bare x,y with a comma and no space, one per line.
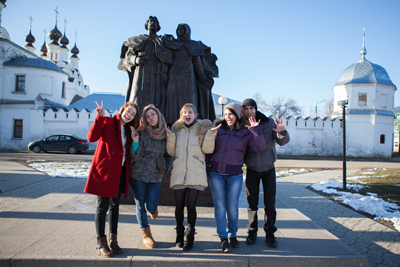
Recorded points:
44,48
364,71
55,35
75,50
30,38
64,41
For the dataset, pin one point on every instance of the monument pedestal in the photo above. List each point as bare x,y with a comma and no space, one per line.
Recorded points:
167,197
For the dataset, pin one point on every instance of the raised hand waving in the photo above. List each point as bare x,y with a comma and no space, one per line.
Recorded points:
279,126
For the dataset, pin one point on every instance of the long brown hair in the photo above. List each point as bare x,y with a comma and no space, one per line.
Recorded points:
159,131
135,122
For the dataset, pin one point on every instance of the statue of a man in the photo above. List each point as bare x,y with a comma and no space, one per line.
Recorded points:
146,61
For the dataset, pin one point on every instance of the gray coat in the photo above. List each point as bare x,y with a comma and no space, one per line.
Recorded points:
144,161
264,160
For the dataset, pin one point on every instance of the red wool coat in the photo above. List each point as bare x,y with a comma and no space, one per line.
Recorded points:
105,172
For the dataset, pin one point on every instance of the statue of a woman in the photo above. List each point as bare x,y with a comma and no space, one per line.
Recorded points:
190,77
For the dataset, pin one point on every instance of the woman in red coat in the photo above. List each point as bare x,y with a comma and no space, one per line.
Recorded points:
110,170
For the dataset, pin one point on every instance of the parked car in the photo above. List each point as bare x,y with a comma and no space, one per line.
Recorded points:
59,142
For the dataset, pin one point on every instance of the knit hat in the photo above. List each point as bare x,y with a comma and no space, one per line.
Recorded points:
236,108
249,102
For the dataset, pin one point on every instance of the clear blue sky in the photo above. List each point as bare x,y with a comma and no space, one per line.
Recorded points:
276,48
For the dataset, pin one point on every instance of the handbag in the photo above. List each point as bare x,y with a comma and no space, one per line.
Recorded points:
161,164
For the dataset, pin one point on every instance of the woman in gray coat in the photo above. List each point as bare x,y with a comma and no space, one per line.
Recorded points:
148,147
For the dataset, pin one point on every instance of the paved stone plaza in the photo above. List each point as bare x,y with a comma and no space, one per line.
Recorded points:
48,221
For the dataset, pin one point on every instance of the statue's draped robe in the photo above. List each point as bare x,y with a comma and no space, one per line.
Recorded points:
146,83
186,77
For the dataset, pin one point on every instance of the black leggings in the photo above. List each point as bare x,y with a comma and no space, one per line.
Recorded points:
105,204
181,195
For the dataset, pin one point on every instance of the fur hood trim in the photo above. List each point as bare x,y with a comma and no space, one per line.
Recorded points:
201,126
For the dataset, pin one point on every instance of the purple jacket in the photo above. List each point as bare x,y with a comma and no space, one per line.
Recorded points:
230,148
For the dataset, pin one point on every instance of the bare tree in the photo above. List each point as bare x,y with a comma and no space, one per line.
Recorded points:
279,107
328,109
261,103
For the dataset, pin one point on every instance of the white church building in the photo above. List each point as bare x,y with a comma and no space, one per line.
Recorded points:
369,117
44,94
32,85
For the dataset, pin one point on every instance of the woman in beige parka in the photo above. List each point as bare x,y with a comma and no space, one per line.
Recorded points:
189,141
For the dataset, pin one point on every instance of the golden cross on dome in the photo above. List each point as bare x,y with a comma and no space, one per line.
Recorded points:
56,10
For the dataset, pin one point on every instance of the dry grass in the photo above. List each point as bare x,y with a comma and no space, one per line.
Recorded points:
384,182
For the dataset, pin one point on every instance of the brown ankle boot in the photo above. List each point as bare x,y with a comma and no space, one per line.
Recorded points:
148,240
114,245
154,215
103,248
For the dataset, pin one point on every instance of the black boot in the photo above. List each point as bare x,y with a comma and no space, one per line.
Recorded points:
180,231
189,235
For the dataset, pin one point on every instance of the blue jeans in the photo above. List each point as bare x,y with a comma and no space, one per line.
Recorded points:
146,197
225,190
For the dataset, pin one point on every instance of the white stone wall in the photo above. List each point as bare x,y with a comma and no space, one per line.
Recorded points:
313,137
308,137
38,124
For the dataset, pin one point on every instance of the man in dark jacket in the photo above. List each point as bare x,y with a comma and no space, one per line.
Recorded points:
260,166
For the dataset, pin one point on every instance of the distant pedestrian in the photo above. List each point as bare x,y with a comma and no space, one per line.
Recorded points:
110,169
188,142
150,162
260,167
226,174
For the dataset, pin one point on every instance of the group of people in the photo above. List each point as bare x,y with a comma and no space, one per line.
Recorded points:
137,151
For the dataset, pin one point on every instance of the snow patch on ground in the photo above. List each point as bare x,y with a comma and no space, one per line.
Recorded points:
370,204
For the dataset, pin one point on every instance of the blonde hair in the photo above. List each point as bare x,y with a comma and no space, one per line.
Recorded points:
186,107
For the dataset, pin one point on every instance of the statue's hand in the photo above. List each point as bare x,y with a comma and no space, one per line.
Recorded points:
141,60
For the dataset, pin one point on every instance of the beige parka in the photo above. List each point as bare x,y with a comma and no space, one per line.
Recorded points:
189,146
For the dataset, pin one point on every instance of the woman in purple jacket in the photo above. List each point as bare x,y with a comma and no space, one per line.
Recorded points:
225,169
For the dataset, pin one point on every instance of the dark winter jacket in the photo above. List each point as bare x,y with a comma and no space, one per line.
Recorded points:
230,148
264,160
144,166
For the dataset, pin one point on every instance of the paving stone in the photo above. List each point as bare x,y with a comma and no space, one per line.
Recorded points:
391,263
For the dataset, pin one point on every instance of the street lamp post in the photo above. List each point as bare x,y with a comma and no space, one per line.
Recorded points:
343,104
316,107
222,101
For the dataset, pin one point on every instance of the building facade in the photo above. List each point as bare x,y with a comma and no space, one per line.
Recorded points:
31,84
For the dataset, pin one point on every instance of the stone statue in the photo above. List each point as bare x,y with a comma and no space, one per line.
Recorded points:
190,76
146,61
169,72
